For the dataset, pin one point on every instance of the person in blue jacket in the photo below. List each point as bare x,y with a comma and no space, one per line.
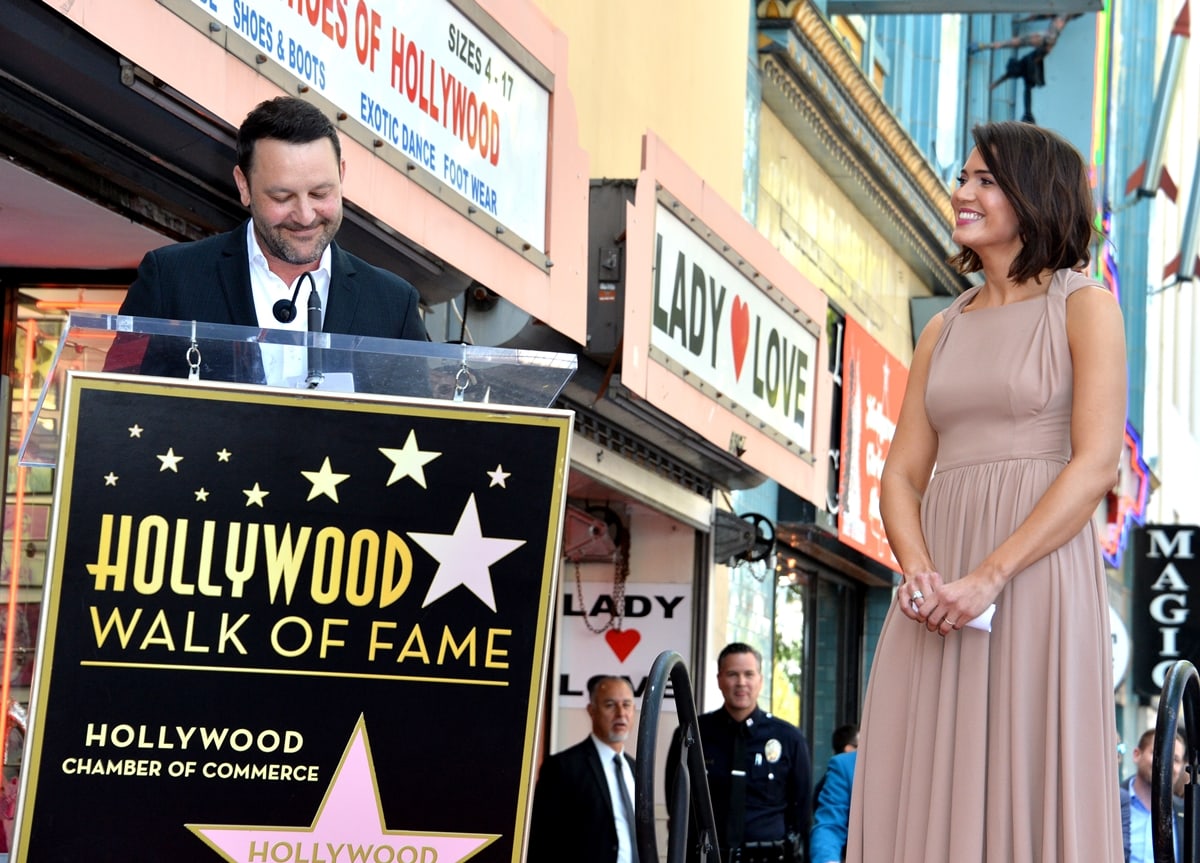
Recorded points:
831,814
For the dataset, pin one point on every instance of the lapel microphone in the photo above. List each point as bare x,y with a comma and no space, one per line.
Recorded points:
285,309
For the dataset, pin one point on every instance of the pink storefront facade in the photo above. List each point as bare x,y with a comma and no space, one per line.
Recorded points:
704,356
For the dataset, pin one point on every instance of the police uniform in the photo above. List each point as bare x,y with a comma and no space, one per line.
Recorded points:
760,780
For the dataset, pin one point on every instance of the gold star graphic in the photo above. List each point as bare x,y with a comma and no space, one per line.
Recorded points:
170,461
409,461
254,496
202,494
324,481
223,454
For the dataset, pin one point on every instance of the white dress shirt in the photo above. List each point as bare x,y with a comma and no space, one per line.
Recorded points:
1141,830
624,828
282,364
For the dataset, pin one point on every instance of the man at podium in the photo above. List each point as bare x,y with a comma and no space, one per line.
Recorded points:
280,269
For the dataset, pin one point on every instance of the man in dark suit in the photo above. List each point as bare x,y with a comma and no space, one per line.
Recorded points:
582,806
289,174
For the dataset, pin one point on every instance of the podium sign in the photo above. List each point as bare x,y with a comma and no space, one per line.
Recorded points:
287,626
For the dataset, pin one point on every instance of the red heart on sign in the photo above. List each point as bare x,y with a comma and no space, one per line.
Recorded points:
622,641
739,329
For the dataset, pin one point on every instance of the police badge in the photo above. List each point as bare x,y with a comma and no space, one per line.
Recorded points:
773,750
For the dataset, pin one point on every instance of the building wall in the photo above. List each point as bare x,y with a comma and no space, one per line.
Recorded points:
1172,361
661,550
1135,71
825,671
680,71
922,56
821,232
1145,235
747,592
675,67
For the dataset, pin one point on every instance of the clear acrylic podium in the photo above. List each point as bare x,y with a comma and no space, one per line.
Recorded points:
278,358
242,551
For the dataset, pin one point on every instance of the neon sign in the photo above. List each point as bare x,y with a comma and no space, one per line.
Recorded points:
1127,503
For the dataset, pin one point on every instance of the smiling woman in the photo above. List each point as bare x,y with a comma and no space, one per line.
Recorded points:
983,215
980,745
1018,169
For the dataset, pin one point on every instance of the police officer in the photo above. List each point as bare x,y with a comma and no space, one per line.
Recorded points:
759,769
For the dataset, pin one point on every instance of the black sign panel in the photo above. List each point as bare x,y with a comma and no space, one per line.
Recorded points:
286,627
1166,593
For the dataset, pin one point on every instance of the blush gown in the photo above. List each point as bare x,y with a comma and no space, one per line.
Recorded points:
996,747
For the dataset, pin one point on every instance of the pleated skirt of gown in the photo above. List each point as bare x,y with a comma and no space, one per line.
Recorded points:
997,747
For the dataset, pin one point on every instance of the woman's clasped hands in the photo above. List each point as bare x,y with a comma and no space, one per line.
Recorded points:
942,607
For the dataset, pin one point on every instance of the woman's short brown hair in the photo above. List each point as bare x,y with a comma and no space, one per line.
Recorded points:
1046,182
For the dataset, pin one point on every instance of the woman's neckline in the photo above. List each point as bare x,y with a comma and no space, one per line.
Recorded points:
969,309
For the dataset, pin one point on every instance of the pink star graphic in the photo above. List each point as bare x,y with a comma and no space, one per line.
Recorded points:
347,826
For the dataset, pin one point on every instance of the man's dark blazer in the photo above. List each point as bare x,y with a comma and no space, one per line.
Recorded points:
1125,816
572,809
209,281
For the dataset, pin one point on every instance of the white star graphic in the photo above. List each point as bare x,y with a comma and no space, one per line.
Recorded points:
499,475
254,496
223,454
202,494
110,478
409,461
170,461
135,430
464,557
324,481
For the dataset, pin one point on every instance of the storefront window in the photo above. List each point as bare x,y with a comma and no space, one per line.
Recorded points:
41,315
751,614
787,688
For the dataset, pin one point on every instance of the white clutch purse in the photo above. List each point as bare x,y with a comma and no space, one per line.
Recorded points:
983,622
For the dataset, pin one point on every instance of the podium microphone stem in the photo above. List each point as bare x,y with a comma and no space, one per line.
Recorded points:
316,369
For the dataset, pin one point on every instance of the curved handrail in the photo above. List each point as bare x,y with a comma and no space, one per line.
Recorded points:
1180,686
671,664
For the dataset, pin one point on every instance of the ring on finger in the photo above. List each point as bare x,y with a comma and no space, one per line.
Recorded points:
917,596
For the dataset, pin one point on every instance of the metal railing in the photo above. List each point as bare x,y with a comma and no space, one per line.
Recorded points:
689,783
1180,687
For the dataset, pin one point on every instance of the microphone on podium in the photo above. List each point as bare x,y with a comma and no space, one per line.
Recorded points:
316,369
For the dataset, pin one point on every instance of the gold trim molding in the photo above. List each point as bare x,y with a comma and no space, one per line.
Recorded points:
817,32
839,105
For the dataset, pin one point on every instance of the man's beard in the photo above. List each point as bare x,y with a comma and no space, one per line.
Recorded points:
275,241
